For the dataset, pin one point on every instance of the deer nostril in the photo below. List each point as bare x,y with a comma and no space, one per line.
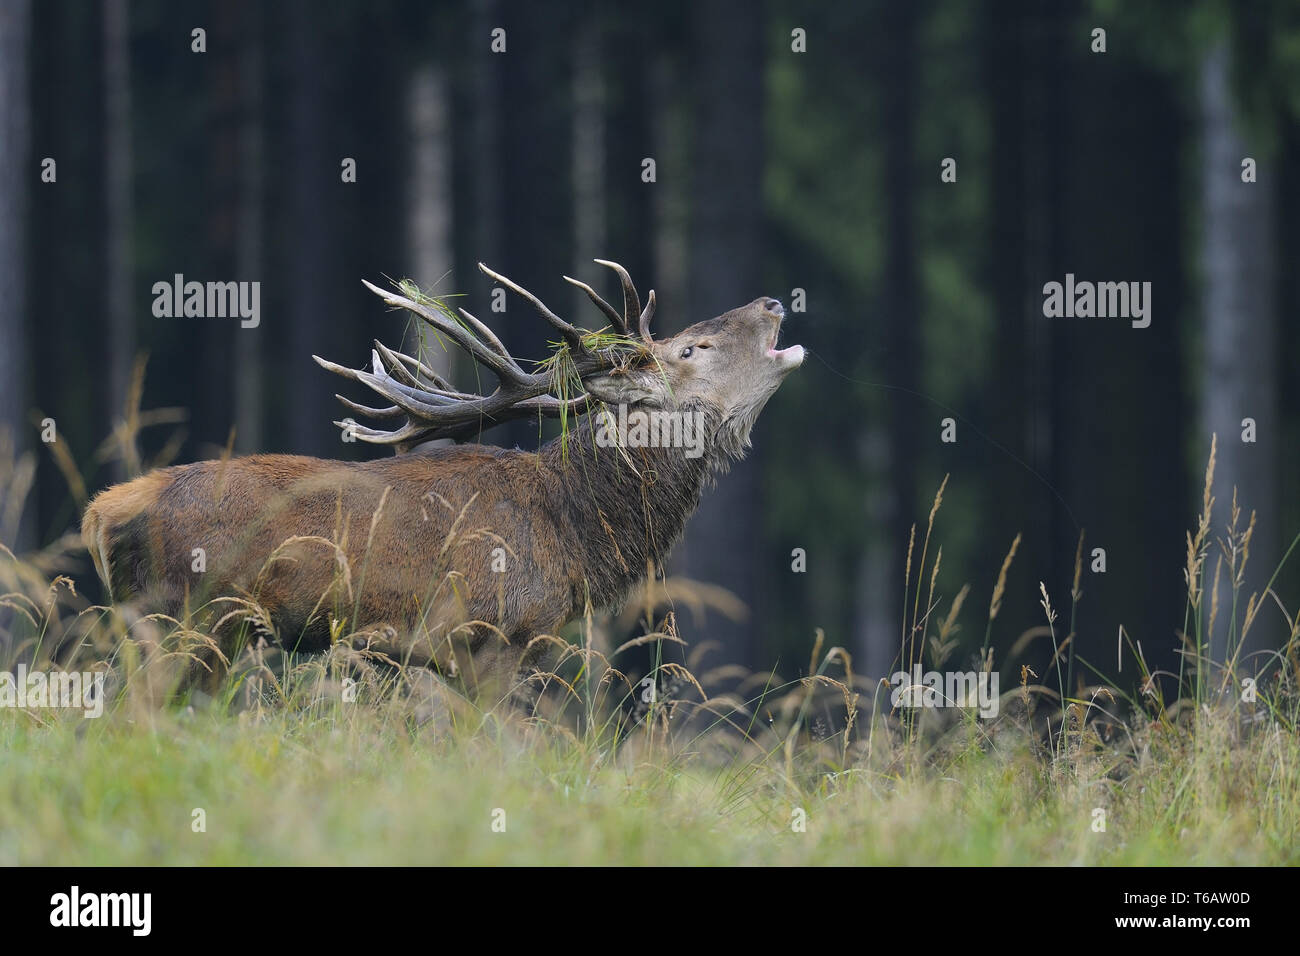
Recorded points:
773,305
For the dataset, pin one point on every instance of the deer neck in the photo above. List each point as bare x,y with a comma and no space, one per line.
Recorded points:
626,506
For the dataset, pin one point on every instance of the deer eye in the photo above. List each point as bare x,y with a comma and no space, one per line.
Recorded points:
686,352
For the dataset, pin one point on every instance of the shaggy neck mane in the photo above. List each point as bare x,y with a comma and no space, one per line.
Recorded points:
625,507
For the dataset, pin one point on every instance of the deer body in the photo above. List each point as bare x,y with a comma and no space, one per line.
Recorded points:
537,536
430,552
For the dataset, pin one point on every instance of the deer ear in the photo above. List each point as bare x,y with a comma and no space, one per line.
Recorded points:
627,387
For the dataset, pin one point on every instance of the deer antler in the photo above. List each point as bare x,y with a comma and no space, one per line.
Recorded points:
432,408
631,303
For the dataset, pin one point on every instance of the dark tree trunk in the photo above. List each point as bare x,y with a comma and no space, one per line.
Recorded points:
1116,454
314,171
217,376
17,176
723,540
1048,394
537,175
588,171
1014,279
481,163
119,263
250,398
627,140
909,424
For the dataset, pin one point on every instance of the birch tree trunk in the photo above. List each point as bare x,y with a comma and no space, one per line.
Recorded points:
1240,315
429,200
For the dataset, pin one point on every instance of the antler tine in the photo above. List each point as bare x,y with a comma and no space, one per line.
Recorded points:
483,354
570,332
609,310
646,317
408,433
395,367
413,400
552,407
428,406
400,360
631,301
412,433
392,411
488,336
440,385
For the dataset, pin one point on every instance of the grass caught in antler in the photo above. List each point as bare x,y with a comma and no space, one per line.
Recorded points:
566,383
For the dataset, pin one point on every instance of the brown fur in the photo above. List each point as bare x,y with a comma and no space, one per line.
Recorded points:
407,547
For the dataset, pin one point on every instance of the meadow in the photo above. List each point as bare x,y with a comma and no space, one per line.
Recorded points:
349,757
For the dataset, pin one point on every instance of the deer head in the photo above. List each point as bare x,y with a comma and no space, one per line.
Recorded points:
727,367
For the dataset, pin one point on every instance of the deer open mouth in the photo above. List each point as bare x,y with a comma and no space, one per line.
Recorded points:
789,357
776,330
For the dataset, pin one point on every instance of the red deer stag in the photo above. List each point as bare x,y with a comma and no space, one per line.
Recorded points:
435,550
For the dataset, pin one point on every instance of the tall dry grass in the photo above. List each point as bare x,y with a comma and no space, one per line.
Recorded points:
791,737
